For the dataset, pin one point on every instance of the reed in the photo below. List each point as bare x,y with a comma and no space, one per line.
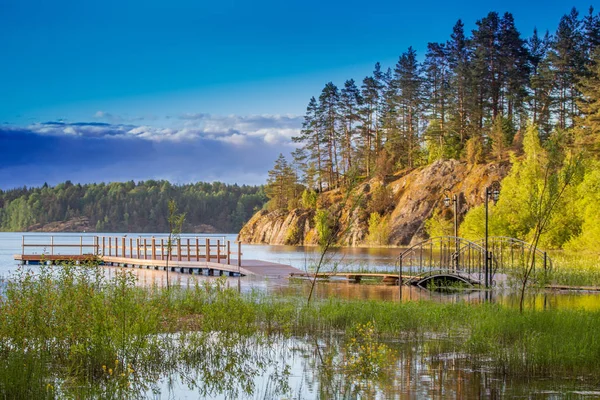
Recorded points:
70,332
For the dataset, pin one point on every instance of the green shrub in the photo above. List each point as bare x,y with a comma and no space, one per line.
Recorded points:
379,230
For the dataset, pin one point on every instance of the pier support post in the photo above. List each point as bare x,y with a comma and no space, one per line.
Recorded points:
153,248
228,252
188,249
123,251
145,249
130,247
218,251
197,249
207,249
239,255
178,249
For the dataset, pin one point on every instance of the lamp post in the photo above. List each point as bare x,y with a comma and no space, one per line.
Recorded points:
455,203
456,245
491,192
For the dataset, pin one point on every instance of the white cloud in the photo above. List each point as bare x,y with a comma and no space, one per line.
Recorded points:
233,129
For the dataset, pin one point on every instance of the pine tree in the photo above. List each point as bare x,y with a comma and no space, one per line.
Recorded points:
587,133
541,83
486,67
591,33
410,106
437,89
370,96
311,153
281,188
460,82
514,70
566,57
329,120
350,101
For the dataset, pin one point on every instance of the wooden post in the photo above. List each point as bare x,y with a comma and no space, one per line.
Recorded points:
145,249
137,247
207,249
162,249
153,248
218,251
123,247
188,249
110,246
197,250
23,244
228,252
103,245
239,254
178,249
131,247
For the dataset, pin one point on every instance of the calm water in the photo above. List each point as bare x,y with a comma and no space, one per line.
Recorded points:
305,258
295,368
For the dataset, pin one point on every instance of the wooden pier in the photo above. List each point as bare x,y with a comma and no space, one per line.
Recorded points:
210,256
388,278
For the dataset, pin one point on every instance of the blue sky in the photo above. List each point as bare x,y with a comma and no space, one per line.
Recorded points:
195,77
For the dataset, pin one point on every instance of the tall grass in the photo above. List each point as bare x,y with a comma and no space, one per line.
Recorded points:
576,269
70,332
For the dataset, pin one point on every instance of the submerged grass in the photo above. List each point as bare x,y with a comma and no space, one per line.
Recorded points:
69,331
576,269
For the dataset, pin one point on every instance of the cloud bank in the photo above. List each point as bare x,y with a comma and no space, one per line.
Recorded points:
196,147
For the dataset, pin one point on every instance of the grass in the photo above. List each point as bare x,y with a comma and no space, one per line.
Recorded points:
70,332
576,269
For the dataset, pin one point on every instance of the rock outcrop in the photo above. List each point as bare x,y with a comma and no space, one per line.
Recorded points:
415,195
77,224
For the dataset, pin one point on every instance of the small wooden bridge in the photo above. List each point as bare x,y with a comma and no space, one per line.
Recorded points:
211,256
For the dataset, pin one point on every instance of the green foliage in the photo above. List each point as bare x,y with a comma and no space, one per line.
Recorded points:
282,187
129,206
379,230
309,199
586,207
439,225
532,187
324,226
293,236
367,358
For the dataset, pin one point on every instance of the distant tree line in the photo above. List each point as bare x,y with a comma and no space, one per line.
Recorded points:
470,98
130,206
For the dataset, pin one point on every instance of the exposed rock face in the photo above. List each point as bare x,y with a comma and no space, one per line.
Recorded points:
416,195
78,224
277,227
204,228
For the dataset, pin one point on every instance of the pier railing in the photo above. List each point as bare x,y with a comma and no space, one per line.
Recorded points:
183,248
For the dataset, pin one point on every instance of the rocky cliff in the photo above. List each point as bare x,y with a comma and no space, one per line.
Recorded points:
411,197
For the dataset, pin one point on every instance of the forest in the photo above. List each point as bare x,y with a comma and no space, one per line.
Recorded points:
130,206
488,96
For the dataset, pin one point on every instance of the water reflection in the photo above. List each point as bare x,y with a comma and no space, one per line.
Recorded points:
317,368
